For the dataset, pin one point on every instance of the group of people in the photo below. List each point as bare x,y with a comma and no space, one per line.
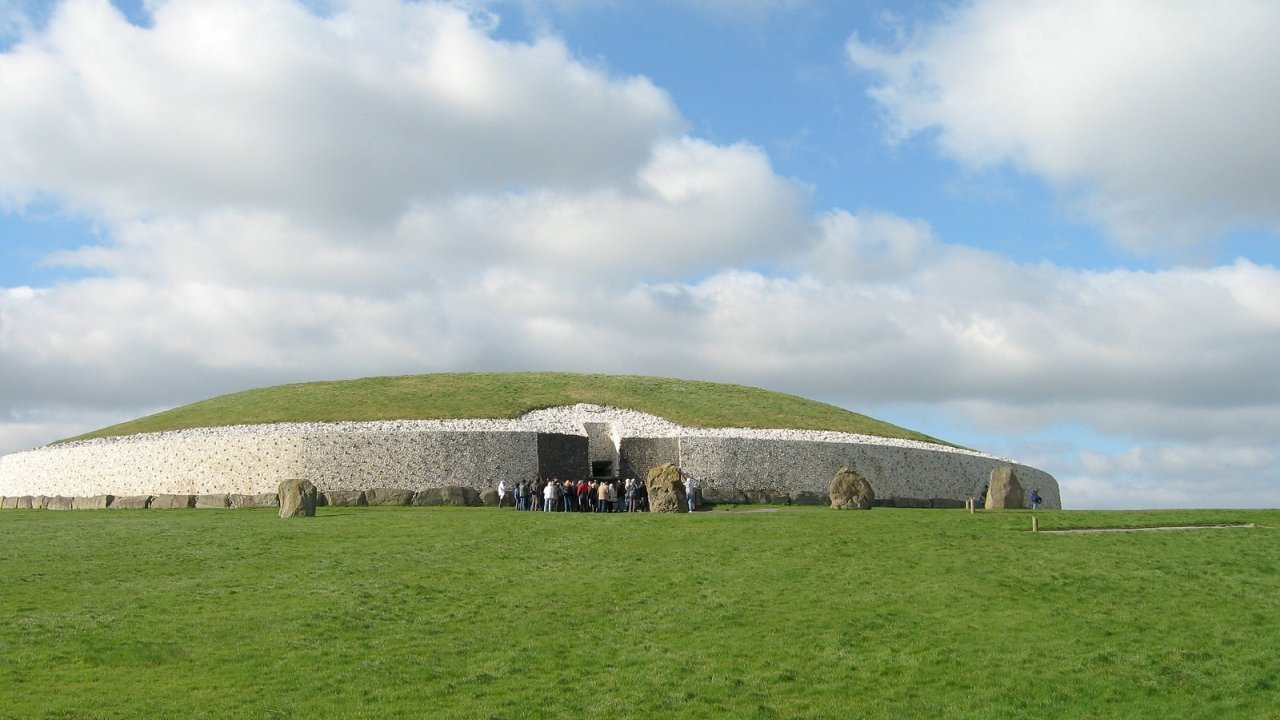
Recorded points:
555,495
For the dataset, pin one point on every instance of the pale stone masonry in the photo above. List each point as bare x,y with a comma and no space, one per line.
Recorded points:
574,441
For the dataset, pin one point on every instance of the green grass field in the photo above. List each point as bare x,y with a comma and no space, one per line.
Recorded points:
509,395
482,613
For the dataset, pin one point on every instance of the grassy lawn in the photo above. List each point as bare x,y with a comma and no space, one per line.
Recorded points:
481,613
509,395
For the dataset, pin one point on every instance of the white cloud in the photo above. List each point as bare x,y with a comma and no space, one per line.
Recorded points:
351,116
331,202
1158,117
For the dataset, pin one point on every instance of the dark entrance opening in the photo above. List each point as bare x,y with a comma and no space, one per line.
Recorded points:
601,468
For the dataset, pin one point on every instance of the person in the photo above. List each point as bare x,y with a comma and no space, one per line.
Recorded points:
584,496
569,496
602,496
690,492
1035,499
502,491
632,495
549,495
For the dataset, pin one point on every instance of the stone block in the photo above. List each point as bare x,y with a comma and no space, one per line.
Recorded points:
850,491
97,502
946,503
23,502
666,489
39,502
8,503
456,495
267,499
809,497
767,497
910,502
722,496
219,501
59,502
344,498
297,498
130,502
388,496
172,502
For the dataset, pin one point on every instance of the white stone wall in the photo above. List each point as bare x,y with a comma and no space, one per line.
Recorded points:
418,455
255,459
793,466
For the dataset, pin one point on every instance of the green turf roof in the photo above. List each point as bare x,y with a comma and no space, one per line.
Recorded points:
509,395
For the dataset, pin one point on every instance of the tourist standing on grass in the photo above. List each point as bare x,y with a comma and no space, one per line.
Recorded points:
602,496
690,490
583,491
569,496
1035,499
502,491
549,495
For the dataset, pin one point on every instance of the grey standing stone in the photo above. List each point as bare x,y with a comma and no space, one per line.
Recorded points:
297,498
851,491
388,496
97,502
130,502
666,489
1004,492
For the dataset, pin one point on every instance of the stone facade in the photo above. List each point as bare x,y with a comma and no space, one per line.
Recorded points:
781,465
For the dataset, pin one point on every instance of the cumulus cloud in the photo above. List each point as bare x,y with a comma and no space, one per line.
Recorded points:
349,116
1158,118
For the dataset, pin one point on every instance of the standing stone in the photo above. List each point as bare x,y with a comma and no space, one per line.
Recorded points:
297,498
851,491
1004,491
666,489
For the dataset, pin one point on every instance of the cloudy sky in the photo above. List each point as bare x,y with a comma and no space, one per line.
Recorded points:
1042,228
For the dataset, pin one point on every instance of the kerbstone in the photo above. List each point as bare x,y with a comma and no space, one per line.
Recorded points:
172,502
97,502
130,502
211,502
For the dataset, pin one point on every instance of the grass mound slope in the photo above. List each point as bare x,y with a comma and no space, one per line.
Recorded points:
510,395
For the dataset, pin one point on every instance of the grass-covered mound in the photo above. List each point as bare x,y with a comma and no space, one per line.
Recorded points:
509,395
481,613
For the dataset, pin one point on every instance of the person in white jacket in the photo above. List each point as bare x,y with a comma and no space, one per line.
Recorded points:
502,491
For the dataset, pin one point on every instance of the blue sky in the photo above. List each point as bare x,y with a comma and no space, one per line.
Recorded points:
1042,228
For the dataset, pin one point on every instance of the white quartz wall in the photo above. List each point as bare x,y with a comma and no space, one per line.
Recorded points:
417,455
792,466
242,460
